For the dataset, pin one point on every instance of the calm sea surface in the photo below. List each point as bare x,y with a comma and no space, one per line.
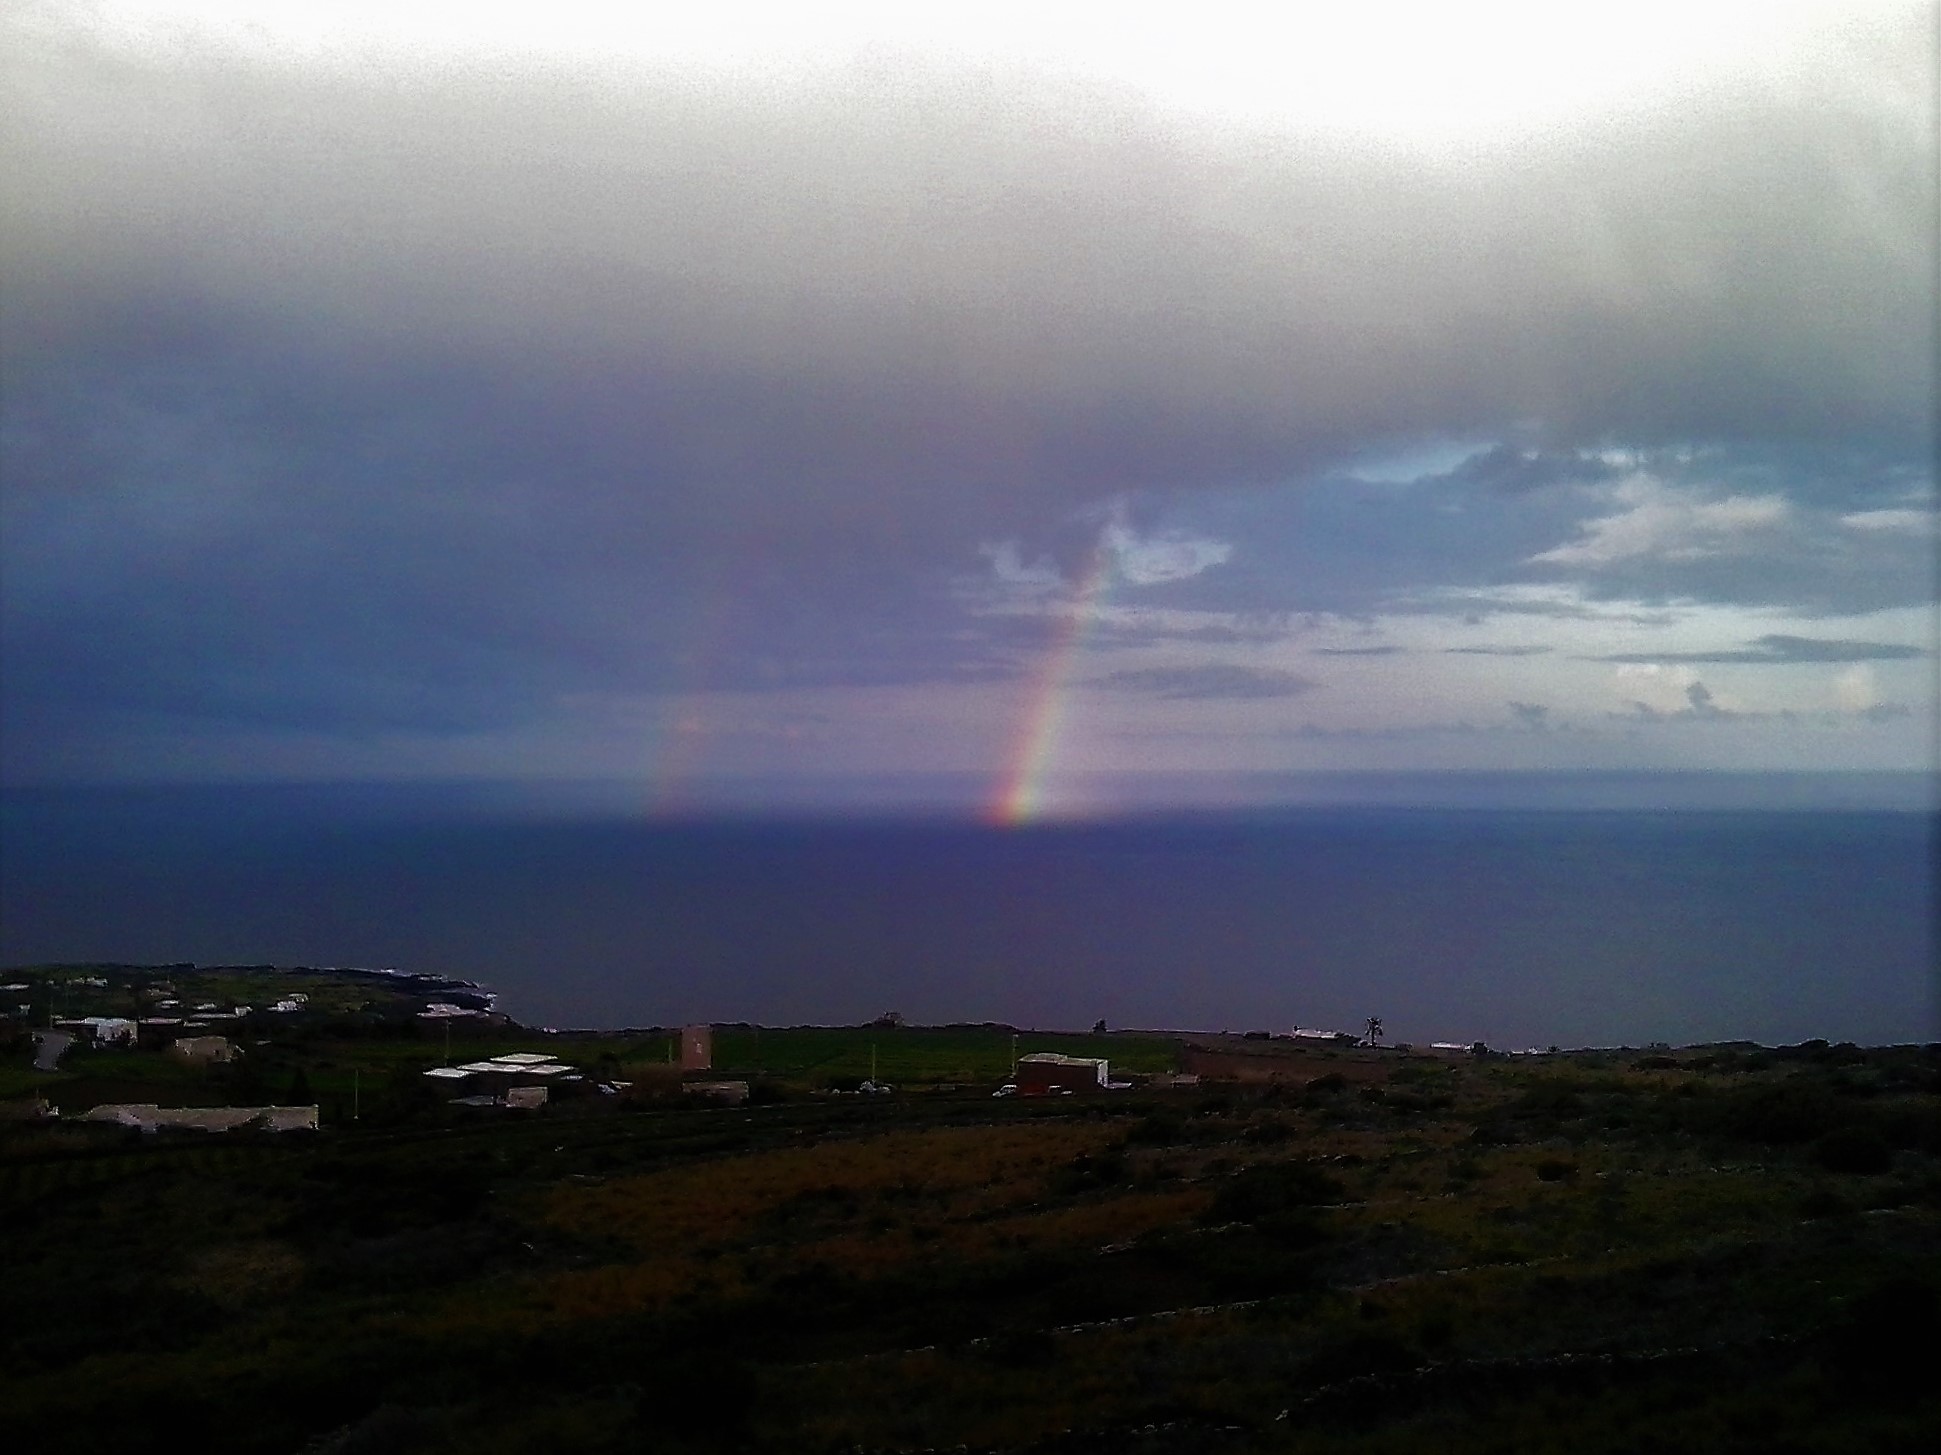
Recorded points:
1514,927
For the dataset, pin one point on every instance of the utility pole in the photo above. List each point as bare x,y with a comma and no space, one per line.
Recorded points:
448,1040
354,1097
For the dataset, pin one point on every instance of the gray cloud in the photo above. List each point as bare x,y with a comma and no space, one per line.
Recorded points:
424,397
1063,256
1777,647
1212,682
1700,705
1316,733
1387,650
1110,636
1525,651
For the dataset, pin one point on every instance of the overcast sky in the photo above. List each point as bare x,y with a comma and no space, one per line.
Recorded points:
1152,388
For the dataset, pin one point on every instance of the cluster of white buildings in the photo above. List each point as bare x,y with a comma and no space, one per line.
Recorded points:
518,1078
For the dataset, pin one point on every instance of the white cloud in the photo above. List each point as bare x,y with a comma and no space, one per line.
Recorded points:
1467,70
1856,689
1896,522
1013,572
1535,600
1170,557
1662,522
1667,691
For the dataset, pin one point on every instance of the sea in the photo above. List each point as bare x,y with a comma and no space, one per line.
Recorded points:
1521,921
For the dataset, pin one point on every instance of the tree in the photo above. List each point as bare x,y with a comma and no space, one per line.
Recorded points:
1373,1035
243,1081
1098,1028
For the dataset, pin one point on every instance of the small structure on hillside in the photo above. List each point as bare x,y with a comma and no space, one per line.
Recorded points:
204,1050
1314,1036
152,1118
1046,1073
518,1078
733,1093
697,1048
106,1030
441,1010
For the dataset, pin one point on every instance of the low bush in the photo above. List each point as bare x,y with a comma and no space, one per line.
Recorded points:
1858,1150
1278,1187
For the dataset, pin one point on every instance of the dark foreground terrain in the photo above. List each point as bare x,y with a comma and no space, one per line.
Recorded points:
1715,1249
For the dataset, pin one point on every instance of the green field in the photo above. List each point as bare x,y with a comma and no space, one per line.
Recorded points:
919,1055
366,1074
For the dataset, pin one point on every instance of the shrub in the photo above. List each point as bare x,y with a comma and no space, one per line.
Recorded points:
1160,1129
1889,1334
1360,1353
1777,1115
1858,1150
1823,1202
1278,1187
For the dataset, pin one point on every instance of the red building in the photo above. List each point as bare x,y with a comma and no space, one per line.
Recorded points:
1045,1073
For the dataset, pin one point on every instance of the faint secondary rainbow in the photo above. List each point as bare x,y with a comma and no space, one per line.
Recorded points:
1020,796
676,749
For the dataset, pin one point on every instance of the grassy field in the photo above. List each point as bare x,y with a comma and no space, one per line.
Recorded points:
1730,1251
918,1055
339,1069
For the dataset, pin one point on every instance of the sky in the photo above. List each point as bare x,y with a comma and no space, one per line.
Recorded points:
1047,396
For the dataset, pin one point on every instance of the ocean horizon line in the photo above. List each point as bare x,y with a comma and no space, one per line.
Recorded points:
965,797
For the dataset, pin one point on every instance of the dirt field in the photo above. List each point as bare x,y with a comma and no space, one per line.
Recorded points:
1237,1058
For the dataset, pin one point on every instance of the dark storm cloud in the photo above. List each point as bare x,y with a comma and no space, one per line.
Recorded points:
1033,268
1779,648
423,396
1218,682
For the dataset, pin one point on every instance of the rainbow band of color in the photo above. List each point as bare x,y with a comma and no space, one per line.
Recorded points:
1021,795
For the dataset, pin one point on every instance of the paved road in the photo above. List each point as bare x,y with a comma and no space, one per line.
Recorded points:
51,1046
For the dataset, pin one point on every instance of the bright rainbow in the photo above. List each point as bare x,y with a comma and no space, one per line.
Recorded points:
1020,797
